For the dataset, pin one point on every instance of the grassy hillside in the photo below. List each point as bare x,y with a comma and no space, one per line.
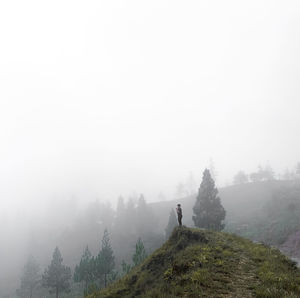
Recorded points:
198,263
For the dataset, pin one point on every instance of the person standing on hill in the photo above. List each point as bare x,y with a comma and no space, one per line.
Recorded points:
179,214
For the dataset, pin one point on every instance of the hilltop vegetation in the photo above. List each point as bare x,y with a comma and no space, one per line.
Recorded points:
275,219
265,211
196,262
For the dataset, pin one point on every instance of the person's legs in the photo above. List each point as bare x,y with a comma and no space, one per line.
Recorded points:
179,220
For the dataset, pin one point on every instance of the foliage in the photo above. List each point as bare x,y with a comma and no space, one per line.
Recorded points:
278,218
144,217
195,263
262,174
57,276
172,223
105,261
84,272
140,253
125,268
132,220
208,210
30,278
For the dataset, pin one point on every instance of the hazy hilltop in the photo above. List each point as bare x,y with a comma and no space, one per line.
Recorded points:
195,262
243,202
266,211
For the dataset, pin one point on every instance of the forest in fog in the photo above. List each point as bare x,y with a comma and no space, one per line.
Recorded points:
114,112
264,209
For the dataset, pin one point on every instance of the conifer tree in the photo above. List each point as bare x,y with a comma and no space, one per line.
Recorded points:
125,268
57,276
172,223
105,259
84,271
130,214
140,253
208,210
144,217
29,279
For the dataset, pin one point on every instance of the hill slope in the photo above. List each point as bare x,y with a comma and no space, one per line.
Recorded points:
241,202
198,263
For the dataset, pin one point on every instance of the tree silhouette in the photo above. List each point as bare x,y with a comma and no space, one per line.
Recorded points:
105,259
57,276
208,210
29,279
140,253
84,271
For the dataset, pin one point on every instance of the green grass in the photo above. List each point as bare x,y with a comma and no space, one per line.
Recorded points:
198,263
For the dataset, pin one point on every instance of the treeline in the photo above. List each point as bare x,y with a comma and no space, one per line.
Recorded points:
128,232
266,173
92,272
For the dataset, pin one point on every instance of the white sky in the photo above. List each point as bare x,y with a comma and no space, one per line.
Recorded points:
101,98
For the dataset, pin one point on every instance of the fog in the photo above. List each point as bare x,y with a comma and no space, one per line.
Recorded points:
106,98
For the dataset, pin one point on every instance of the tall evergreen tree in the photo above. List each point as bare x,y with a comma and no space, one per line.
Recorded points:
144,218
105,259
208,210
84,271
130,218
57,276
172,223
140,253
29,279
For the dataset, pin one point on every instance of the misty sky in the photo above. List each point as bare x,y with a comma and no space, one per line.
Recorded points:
101,98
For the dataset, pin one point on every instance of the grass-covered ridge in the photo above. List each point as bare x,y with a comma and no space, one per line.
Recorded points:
198,263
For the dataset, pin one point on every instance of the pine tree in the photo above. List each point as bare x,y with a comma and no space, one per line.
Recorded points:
57,276
29,279
172,223
84,271
131,218
144,218
125,267
105,259
140,253
208,210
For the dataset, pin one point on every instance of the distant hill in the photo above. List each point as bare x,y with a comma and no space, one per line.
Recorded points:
241,202
199,263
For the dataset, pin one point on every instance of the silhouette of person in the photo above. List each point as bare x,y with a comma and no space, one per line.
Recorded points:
179,214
